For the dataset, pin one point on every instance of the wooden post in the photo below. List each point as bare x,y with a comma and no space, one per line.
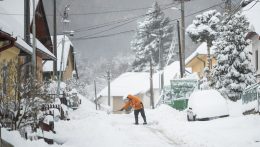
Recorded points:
151,84
179,42
54,38
182,35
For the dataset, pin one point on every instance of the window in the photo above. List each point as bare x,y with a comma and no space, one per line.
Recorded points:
4,76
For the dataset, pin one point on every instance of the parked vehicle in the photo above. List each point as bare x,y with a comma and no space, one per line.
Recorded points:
206,105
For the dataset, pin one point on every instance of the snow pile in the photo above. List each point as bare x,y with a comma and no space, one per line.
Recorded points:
15,139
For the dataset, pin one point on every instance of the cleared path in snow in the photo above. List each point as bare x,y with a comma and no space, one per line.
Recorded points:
91,128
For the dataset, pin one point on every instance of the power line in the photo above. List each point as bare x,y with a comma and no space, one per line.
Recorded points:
191,14
93,13
117,11
115,21
252,6
233,12
112,28
108,35
129,20
105,24
110,11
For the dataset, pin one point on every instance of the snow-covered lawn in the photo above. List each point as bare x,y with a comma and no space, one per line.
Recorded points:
168,127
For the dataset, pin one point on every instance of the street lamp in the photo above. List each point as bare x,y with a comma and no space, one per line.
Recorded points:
161,74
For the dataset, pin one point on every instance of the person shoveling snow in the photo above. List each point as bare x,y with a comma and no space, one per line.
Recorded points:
136,103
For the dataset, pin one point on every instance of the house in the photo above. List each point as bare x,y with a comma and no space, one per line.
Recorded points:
251,11
138,83
10,57
68,66
16,24
135,83
197,61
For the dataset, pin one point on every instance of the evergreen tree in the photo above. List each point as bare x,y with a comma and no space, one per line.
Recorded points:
204,29
233,71
153,33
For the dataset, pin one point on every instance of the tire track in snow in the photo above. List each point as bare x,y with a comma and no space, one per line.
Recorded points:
161,135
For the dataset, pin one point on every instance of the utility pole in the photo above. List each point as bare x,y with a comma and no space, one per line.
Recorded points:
182,35
95,89
159,44
27,21
180,53
151,84
54,38
108,85
27,32
34,45
65,20
161,61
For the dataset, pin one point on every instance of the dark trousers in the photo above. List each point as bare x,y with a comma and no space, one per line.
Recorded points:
136,113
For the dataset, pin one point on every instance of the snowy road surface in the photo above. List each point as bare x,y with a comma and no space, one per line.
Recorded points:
90,128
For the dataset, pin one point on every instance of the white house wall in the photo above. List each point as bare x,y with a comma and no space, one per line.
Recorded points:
255,48
147,99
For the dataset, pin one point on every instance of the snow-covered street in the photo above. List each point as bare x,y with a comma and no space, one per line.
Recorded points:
167,127
89,127
78,73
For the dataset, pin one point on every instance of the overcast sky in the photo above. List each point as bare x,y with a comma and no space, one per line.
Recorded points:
88,14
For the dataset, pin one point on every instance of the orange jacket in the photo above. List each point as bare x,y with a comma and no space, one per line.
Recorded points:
134,101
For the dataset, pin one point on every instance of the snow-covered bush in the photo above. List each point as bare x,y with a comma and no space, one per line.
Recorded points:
21,96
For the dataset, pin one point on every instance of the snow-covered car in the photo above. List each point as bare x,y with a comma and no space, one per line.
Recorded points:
206,105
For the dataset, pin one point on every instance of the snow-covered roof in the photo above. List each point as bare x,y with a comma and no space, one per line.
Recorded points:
130,83
12,11
138,82
9,25
48,66
171,71
201,50
12,22
42,48
20,43
251,11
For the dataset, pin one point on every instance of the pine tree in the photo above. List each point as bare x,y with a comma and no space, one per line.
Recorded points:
153,33
204,29
233,71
